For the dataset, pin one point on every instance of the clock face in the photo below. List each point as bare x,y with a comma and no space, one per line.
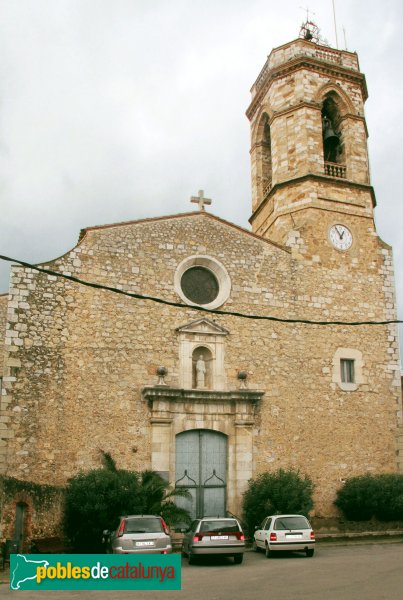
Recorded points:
341,237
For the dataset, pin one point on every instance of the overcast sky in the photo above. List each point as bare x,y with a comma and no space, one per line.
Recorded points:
114,110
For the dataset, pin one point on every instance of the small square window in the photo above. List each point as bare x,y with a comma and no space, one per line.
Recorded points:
347,370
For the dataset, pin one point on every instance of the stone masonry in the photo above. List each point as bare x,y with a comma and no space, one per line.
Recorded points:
81,357
80,363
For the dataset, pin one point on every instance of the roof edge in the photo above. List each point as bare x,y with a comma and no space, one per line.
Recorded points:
193,214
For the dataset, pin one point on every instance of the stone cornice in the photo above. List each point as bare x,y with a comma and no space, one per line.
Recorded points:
163,392
310,63
308,45
335,181
313,106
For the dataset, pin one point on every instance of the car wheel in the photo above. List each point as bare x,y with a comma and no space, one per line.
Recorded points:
268,552
238,558
254,546
310,552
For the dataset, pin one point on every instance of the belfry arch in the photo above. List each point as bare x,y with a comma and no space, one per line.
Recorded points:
262,149
338,116
333,147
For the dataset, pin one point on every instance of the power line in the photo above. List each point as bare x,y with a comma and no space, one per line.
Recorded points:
229,313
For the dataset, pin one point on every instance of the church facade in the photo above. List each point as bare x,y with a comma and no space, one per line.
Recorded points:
210,398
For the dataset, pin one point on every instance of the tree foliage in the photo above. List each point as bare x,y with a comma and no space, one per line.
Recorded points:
159,498
367,496
281,492
96,499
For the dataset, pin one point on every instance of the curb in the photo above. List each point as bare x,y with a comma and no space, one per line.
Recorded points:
357,534
355,538
364,537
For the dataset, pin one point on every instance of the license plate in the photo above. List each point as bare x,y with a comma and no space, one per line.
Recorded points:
144,543
219,537
293,536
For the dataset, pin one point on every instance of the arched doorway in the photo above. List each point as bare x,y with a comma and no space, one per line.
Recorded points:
19,527
201,466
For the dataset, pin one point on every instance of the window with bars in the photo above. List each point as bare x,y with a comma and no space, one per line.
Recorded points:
347,370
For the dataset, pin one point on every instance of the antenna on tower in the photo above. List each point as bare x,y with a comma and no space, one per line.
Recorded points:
307,12
309,31
335,26
345,38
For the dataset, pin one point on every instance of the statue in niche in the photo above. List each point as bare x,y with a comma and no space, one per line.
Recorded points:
200,372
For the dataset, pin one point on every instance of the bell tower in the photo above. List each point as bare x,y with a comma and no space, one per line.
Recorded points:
309,153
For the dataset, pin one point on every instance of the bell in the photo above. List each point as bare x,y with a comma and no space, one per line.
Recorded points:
328,131
330,140
330,136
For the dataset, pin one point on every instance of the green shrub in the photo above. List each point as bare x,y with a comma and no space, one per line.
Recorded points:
95,500
281,492
372,496
158,498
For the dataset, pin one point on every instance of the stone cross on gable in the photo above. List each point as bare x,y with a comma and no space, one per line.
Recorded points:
200,200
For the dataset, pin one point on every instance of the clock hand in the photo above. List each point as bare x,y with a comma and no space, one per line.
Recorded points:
341,236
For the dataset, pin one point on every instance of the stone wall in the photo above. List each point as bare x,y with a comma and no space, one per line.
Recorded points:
81,357
43,507
399,443
3,317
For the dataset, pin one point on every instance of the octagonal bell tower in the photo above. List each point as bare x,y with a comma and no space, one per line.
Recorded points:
309,150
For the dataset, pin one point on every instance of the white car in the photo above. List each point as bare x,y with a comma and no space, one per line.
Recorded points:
210,535
284,532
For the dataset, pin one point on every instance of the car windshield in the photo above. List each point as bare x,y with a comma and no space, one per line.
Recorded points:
143,525
229,525
291,523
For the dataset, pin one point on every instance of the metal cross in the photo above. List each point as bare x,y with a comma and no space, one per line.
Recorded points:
200,200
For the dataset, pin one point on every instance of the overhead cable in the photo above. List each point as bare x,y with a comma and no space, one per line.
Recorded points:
230,313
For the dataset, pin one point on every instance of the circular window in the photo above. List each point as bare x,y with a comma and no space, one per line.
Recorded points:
200,285
203,281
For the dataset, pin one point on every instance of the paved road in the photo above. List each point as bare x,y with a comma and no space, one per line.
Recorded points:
353,572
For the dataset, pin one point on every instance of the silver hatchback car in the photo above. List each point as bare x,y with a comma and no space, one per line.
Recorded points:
211,535
145,534
284,532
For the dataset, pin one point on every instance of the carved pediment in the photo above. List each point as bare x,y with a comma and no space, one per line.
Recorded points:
203,326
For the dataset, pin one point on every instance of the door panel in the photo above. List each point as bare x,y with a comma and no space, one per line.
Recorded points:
187,455
201,466
214,502
214,455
